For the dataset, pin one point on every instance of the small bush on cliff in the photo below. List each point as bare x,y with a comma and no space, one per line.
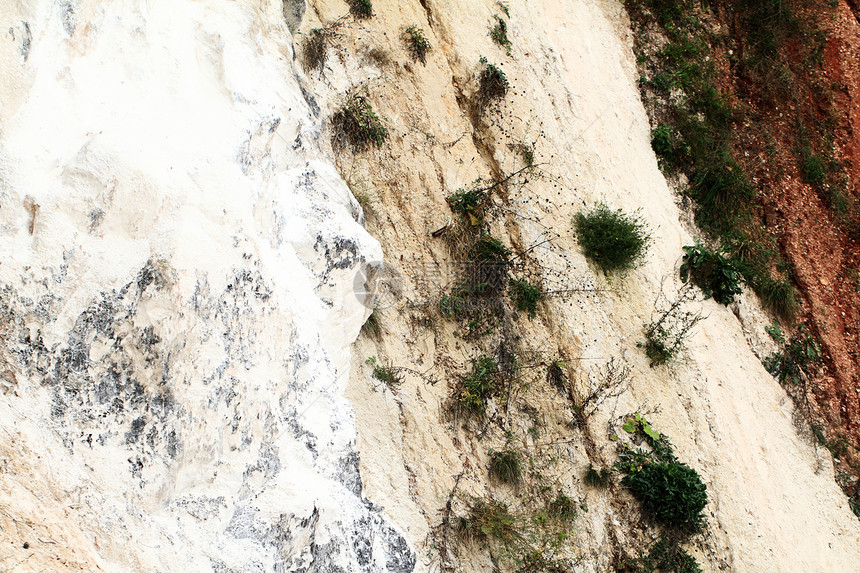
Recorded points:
562,508
417,44
797,359
493,84
666,555
612,239
470,204
489,259
597,478
673,493
526,296
499,34
489,519
385,374
361,9
666,336
357,125
506,466
478,386
314,49
711,272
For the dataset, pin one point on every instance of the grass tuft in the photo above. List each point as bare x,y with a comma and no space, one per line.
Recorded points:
356,125
506,466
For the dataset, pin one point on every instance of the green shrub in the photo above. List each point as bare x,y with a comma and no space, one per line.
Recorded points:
357,125
499,34
664,142
665,556
417,44
673,493
506,466
452,305
797,357
711,272
526,153
562,507
385,374
488,249
526,296
478,386
492,84
361,9
659,348
469,204
612,239
854,504
489,519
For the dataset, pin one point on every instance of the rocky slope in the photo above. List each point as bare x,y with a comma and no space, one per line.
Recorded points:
177,300
186,270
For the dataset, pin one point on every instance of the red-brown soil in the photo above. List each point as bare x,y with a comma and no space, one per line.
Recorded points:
824,255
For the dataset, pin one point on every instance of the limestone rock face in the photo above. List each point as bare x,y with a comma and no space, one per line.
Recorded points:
177,299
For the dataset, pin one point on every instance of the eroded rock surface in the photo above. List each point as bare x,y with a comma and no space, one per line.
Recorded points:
177,300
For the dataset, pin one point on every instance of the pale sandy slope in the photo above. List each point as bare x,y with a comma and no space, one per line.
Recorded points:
774,503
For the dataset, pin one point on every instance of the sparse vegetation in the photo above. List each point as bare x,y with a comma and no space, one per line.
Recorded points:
361,9
356,125
562,507
665,337
372,326
506,466
590,391
385,374
797,358
489,258
612,239
526,153
315,49
452,305
478,386
597,478
492,85
526,296
417,44
665,556
489,519
555,375
711,272
499,34
362,198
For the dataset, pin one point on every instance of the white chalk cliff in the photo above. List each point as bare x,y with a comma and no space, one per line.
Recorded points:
177,302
